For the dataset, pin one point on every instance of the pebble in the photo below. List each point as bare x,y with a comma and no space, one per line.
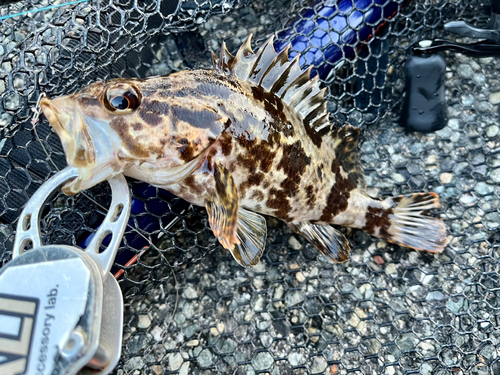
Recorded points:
495,175
465,71
134,363
354,320
300,277
435,296
407,341
483,188
259,267
278,292
479,78
190,293
266,339
455,306
218,329
495,97
228,346
366,290
467,100
175,361
445,178
294,243
391,269
184,369
296,358
248,315
431,159
259,303
314,334
258,283
314,272
468,199
492,220
294,297
398,178
263,361
157,332
144,321
193,343
157,369
12,101
492,131
318,365
138,342
205,358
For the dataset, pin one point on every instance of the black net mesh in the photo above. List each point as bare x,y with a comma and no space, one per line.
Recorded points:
190,309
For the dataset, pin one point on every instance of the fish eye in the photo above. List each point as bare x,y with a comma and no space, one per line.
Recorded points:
119,102
121,99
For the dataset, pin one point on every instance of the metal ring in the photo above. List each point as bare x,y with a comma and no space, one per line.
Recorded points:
115,222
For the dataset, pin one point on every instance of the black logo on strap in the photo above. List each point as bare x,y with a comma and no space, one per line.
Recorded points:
17,321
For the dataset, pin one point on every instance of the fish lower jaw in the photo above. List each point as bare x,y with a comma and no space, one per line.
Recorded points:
71,188
88,178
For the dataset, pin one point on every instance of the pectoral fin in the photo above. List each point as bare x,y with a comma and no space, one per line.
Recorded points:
252,233
325,238
221,203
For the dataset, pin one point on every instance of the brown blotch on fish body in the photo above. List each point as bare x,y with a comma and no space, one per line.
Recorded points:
278,200
257,155
378,220
133,144
194,186
311,196
294,160
254,179
186,152
293,163
211,153
337,201
257,195
275,107
225,142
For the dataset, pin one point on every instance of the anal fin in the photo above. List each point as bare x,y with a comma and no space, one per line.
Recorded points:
325,238
252,233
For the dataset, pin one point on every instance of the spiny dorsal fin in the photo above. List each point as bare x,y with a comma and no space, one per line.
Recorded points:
275,73
346,151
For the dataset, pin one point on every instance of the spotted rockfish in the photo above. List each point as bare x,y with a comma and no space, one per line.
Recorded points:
249,137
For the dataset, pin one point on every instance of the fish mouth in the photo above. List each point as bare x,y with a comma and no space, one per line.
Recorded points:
65,118
67,121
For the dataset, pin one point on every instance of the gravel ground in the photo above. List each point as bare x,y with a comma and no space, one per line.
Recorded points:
387,310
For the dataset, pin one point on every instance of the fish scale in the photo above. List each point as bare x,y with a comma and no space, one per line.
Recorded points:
249,137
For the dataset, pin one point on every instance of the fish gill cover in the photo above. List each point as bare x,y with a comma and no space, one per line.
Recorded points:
189,307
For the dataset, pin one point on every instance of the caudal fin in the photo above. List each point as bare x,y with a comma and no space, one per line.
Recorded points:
409,227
